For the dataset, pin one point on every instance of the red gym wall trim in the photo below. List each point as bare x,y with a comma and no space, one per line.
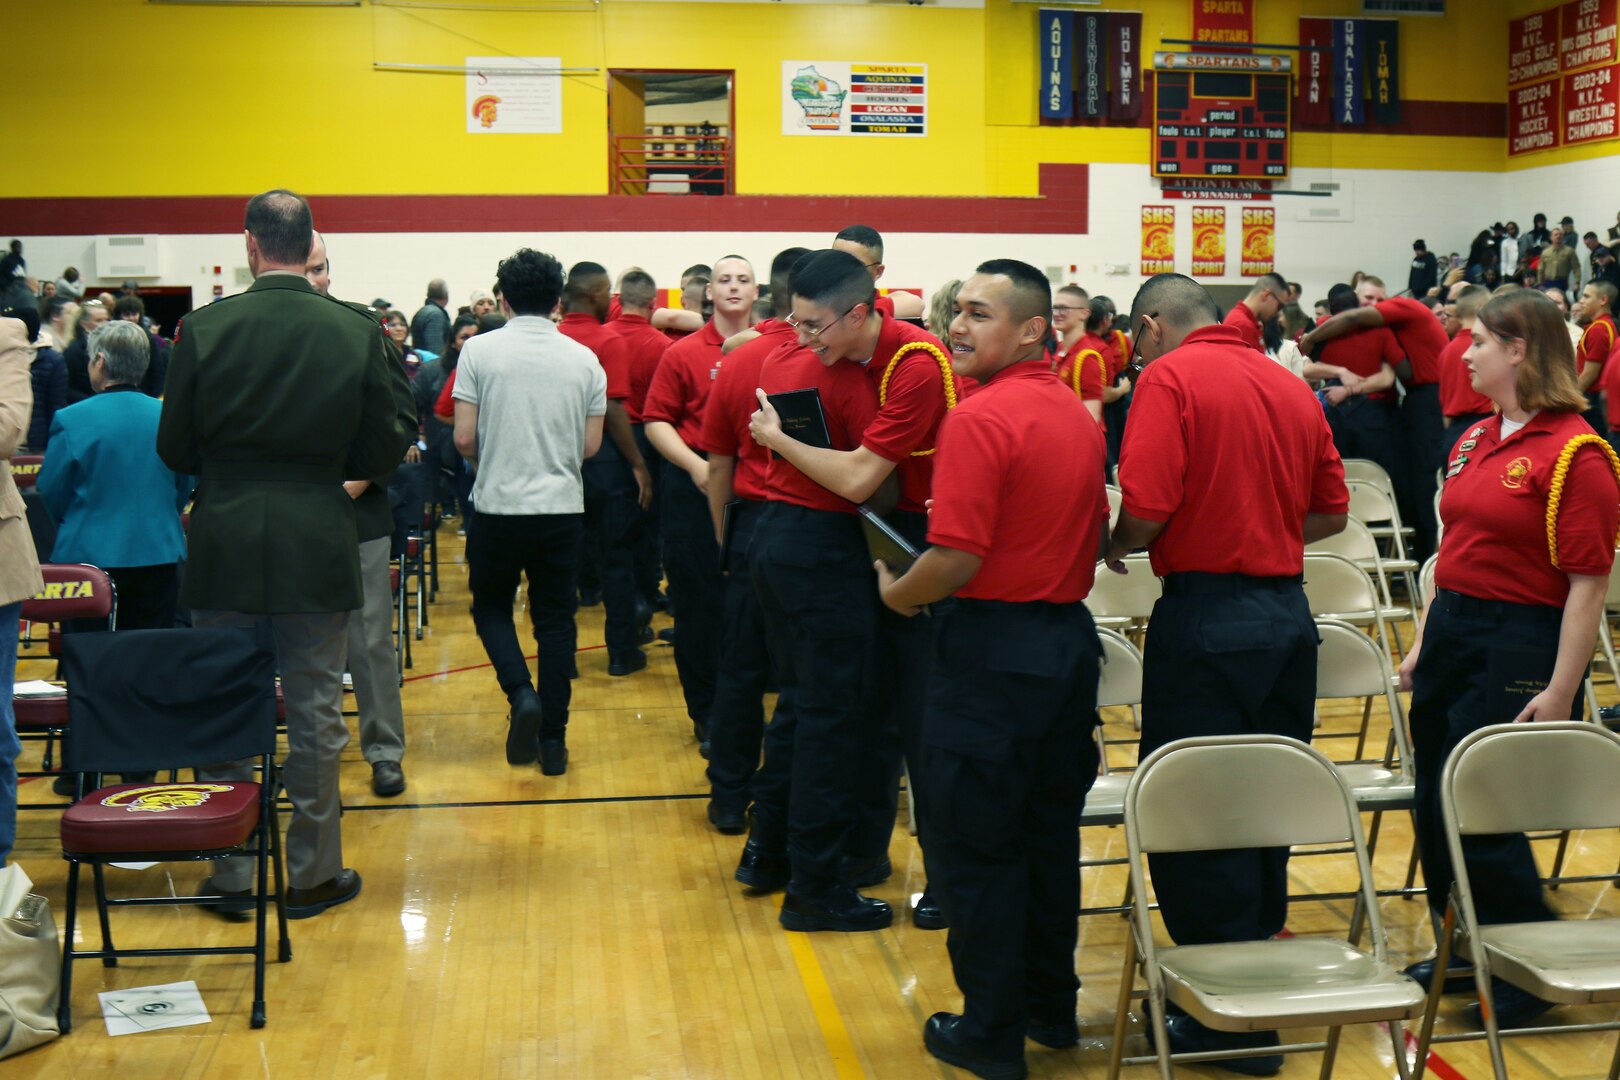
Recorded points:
1061,207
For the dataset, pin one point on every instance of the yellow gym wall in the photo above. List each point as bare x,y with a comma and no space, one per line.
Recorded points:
230,97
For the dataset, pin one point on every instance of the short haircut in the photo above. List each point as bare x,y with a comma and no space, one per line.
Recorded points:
1590,236
1607,290
70,274
1274,282
864,235
1372,279
1540,219
1470,298
87,307
1100,316
832,278
127,306
697,268
1075,290
736,258
1031,292
637,289
584,278
1178,301
281,224
127,350
54,306
1546,378
782,265
531,281
490,320
1296,287
438,290
1342,298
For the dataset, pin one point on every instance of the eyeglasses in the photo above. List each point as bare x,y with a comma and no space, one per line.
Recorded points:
1136,364
816,332
1063,307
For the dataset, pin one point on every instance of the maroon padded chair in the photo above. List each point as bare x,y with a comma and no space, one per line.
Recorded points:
72,591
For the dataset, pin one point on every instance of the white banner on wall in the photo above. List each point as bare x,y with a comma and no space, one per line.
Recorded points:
501,101
837,97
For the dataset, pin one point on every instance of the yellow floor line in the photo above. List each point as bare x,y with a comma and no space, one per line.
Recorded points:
846,1062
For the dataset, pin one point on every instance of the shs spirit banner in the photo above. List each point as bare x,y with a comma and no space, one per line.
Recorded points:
1209,241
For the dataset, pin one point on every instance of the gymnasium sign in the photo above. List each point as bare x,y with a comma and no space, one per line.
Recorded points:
1563,76
840,97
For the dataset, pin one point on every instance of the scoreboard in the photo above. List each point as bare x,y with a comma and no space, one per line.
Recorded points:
1221,124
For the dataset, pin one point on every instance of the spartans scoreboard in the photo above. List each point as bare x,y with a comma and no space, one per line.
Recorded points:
1220,122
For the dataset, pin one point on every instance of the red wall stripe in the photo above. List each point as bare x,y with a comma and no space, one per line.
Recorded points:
1061,207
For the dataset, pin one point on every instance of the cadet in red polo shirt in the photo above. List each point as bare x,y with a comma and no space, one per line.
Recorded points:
645,345
1362,410
1082,364
866,244
1017,518
1460,403
1595,312
1228,471
911,373
737,466
816,592
1508,634
1264,302
674,419
617,484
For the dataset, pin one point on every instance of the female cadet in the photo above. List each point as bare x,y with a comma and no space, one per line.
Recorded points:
1530,512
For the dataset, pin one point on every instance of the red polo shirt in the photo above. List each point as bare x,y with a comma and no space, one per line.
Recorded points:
1611,386
732,402
1084,367
1597,341
1419,334
1118,352
645,346
908,420
1246,323
1364,353
1231,450
1019,483
848,401
680,388
1457,394
1494,509
608,346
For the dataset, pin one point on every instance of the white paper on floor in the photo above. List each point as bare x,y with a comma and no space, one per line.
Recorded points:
149,1008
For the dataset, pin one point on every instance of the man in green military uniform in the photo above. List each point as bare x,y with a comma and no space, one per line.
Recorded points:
274,398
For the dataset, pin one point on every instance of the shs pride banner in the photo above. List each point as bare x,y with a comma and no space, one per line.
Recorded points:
1209,241
1259,240
1158,240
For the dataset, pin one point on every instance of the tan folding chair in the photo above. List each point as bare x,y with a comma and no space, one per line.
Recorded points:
1120,684
1515,778
1116,499
1215,794
1337,588
1124,601
1356,543
1374,505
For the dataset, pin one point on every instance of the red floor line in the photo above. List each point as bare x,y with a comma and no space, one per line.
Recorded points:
475,667
1438,1065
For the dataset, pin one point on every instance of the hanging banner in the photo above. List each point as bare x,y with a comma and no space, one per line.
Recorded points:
502,99
1259,240
1055,46
1383,57
1223,22
1587,34
1533,47
1091,79
1533,117
1125,35
1348,61
1314,103
1158,240
1209,241
1591,105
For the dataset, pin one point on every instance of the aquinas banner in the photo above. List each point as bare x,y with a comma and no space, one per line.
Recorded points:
1158,240
1209,241
840,97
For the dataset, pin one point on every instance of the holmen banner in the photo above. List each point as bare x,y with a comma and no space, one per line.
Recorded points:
1055,44
1125,37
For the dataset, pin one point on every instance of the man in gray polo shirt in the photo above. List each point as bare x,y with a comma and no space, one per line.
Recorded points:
529,410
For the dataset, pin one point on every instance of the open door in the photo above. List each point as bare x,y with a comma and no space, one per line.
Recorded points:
670,133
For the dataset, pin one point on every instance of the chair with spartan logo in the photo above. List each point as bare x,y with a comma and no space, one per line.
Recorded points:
161,699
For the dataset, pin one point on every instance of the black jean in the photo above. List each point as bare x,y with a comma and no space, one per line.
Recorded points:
1425,438
1226,655
612,525
649,561
696,588
545,549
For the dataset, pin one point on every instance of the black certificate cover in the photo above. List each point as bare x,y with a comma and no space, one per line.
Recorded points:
802,417
883,542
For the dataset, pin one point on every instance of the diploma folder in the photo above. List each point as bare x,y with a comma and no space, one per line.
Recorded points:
802,417
883,542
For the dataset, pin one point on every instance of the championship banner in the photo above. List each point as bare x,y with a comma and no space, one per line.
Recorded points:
1125,37
1223,22
1209,241
1383,52
1587,33
1533,117
1591,105
1055,47
1158,240
1533,47
1314,104
1091,65
1348,61
1259,240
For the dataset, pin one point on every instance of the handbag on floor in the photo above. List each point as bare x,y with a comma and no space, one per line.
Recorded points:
30,965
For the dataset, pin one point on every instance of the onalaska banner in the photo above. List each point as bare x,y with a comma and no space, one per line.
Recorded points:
1158,240
1209,241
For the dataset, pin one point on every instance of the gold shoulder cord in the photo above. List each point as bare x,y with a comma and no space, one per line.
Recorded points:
944,363
1555,494
1079,365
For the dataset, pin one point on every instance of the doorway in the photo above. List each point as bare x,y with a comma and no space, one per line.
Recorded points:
670,132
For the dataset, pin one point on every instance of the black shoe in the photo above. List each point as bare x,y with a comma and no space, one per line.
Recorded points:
1515,1008
236,905
589,597
928,915
865,873
667,635
705,749
303,903
729,821
943,1040
627,663
644,636
1459,977
387,778
66,784
525,727
761,869
1188,1036
1054,1034
1609,712
553,757
644,612
838,908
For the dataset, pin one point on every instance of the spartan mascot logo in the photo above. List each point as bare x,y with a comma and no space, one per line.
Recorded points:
164,797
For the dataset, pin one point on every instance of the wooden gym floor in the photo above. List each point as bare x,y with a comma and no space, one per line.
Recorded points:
587,926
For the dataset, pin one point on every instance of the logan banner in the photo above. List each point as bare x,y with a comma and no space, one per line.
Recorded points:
1259,240
1158,240
1209,241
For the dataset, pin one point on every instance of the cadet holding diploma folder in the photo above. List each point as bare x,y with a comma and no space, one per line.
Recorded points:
1017,522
